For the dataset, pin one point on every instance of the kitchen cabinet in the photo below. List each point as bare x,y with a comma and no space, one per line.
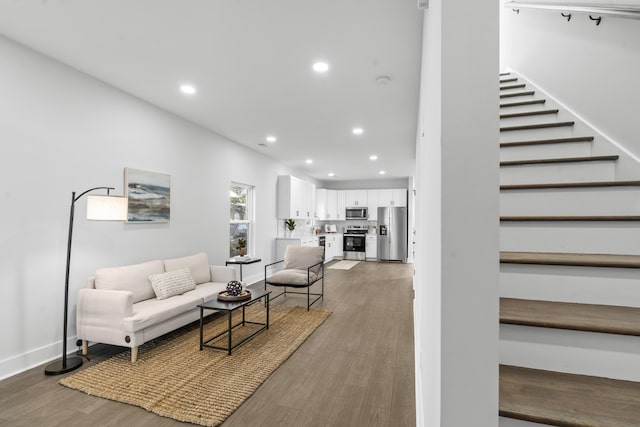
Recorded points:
356,198
371,246
392,197
296,198
332,246
372,204
332,205
342,204
322,204
327,205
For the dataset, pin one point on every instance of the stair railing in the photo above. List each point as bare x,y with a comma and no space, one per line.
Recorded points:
595,10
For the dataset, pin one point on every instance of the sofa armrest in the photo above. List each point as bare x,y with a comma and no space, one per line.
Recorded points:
222,274
103,307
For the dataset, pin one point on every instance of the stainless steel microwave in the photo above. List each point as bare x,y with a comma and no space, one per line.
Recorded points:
356,213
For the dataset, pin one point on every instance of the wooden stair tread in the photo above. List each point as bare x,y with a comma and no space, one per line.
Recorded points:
537,126
513,86
606,319
505,73
570,259
547,141
570,185
509,80
558,398
559,160
570,218
529,113
521,103
512,95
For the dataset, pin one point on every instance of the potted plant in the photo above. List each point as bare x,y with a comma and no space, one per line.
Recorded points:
291,224
242,244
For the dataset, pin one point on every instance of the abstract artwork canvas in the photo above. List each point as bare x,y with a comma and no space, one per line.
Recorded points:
149,195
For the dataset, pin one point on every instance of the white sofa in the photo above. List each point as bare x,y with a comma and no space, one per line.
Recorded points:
120,307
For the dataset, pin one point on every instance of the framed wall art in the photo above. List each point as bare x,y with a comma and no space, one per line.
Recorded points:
149,196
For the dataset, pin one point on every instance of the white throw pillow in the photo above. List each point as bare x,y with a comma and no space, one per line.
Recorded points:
172,283
198,265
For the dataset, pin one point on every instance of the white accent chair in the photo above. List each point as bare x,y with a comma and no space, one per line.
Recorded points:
302,267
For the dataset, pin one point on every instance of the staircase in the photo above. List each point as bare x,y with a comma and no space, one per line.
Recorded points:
570,269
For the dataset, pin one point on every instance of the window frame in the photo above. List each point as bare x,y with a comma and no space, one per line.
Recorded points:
249,215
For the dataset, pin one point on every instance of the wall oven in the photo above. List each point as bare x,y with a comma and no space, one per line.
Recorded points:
354,242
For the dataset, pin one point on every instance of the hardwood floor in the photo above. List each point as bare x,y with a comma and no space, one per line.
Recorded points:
357,369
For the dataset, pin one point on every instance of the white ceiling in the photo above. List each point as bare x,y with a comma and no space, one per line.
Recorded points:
250,61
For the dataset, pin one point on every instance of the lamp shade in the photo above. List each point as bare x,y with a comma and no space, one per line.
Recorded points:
107,208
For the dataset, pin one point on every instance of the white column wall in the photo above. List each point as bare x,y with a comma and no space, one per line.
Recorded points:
63,131
456,283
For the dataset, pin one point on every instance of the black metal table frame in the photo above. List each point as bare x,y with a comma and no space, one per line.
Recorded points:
230,327
241,263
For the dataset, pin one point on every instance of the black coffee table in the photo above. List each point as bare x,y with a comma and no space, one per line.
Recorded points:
230,307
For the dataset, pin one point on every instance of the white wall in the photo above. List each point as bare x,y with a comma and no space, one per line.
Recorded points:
591,69
456,282
63,131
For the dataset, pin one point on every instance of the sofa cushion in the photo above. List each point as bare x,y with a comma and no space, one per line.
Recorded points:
134,278
303,257
198,264
172,283
207,291
294,277
154,311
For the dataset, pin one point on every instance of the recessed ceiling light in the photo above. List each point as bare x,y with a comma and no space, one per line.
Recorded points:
309,161
320,67
373,157
187,89
383,80
382,172
357,131
331,174
271,138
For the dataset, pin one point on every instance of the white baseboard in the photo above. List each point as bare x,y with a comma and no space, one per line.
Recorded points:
25,361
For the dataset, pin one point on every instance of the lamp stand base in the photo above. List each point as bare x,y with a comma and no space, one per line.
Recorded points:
56,368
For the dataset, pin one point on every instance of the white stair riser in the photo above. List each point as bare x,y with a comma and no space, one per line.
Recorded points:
558,172
546,151
575,352
571,201
521,108
530,120
605,238
586,285
511,422
544,133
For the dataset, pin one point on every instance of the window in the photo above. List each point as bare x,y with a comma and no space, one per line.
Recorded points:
240,217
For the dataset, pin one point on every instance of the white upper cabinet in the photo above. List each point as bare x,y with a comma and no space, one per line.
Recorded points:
296,198
356,198
332,205
392,197
322,204
342,204
372,204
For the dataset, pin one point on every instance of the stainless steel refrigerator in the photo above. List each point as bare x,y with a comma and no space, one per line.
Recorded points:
392,233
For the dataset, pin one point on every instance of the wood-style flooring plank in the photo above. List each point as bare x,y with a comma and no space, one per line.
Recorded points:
562,399
608,319
356,369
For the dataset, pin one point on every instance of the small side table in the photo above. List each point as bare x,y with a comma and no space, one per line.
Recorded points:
241,262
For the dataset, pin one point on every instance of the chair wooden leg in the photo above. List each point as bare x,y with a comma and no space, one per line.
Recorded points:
134,354
85,347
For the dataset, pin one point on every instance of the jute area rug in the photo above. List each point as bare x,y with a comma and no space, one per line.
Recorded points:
172,378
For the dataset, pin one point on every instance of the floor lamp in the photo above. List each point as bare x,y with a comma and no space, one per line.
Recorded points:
100,208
